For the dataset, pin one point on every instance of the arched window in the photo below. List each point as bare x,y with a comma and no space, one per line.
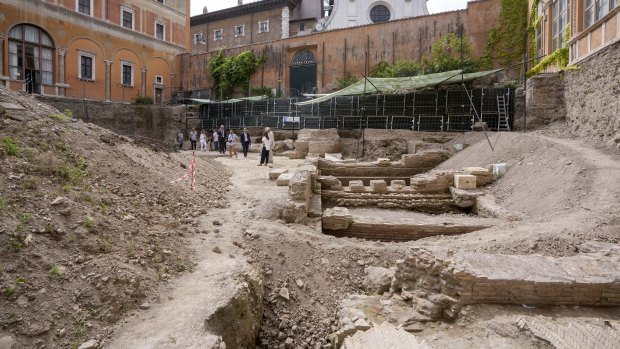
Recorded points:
31,56
379,13
303,57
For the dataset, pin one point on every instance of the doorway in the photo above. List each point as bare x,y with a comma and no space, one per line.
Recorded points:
303,74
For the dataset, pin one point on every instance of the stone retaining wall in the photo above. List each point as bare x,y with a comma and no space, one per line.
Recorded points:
145,123
591,93
450,279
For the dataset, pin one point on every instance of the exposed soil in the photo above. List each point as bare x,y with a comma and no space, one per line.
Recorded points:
69,275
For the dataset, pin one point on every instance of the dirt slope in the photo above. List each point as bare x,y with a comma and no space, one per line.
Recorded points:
90,226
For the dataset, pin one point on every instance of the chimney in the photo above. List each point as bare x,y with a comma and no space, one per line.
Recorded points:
239,2
204,10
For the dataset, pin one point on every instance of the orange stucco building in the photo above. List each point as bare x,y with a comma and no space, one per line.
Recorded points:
109,50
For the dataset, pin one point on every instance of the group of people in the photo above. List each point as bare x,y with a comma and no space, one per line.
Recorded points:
221,140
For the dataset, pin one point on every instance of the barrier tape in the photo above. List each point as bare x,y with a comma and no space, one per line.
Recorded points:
191,169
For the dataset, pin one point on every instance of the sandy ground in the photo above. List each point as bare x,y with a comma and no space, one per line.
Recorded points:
568,192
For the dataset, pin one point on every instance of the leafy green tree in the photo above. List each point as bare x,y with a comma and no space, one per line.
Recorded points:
235,71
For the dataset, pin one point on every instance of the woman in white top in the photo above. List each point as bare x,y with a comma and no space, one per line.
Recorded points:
203,141
232,143
264,156
216,140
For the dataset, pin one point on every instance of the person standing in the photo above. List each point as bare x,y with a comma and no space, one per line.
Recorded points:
232,143
272,144
193,136
245,142
216,140
264,155
203,141
180,140
221,134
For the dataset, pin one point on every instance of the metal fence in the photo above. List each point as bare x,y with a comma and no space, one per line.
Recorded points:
444,110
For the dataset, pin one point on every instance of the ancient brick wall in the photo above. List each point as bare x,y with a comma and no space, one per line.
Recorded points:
544,100
591,93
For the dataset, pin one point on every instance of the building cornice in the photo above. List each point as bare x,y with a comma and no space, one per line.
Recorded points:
241,10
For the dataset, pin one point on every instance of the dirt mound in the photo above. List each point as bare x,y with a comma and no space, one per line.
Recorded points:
90,225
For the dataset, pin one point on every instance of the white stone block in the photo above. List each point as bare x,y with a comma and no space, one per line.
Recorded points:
378,186
356,186
276,172
464,181
284,179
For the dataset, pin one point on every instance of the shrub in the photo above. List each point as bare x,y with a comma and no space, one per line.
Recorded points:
55,272
10,147
144,100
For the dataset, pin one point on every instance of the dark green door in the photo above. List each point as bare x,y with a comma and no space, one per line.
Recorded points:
303,74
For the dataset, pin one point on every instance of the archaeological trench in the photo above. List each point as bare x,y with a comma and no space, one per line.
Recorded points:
399,194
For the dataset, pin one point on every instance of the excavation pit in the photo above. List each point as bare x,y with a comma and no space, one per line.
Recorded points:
402,200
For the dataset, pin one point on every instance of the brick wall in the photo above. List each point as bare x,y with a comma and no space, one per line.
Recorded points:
353,51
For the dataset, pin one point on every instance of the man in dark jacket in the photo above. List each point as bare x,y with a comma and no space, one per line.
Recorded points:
245,142
222,134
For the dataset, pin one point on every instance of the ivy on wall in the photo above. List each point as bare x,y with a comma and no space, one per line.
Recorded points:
446,55
229,73
506,43
558,58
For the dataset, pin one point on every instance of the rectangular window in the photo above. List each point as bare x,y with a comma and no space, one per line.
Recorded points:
560,21
87,66
239,30
127,73
160,31
596,9
263,26
217,34
127,18
84,6
159,80
197,38
160,1
302,26
540,51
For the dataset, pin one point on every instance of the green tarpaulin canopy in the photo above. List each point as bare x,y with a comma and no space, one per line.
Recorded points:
409,83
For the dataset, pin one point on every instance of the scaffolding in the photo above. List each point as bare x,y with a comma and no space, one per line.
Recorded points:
445,110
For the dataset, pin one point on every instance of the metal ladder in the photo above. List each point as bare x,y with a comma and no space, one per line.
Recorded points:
502,122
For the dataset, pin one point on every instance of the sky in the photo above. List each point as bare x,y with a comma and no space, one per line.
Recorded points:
434,6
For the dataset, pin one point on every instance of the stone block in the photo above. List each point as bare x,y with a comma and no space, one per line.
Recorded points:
324,146
284,179
378,186
377,279
465,197
11,106
357,186
464,181
432,182
276,172
337,157
294,212
398,184
480,126
329,183
299,186
484,176
337,218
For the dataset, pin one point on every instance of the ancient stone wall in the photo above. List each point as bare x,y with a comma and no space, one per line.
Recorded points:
150,124
544,100
592,103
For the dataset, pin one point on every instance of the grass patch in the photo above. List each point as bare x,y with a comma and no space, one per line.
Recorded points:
2,203
55,272
10,147
20,280
26,217
17,240
62,117
78,333
89,222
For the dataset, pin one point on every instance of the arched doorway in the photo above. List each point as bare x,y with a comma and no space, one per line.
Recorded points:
31,56
303,74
